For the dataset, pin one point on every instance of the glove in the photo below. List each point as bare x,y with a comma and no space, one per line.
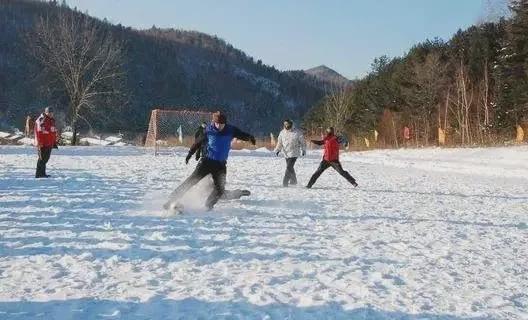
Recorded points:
188,158
55,146
303,153
277,153
253,141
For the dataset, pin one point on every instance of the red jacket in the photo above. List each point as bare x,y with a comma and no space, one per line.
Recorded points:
45,131
331,148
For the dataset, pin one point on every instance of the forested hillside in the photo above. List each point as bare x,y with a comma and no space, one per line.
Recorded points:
167,68
474,87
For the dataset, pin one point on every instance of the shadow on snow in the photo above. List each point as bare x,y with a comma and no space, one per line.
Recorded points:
191,308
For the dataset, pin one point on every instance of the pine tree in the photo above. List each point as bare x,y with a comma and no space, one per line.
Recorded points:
512,74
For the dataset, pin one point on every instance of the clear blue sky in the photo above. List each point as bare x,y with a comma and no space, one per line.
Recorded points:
345,35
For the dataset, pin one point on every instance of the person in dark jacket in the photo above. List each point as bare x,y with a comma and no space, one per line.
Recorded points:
217,138
330,158
198,135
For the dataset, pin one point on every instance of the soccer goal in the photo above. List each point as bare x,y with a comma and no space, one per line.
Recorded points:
170,128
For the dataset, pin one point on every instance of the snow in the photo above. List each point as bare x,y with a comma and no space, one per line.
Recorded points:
429,234
15,136
113,139
67,134
4,134
94,141
27,141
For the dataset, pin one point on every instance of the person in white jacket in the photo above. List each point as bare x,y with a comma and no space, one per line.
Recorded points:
292,144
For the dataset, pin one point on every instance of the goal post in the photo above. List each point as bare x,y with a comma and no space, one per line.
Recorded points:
169,128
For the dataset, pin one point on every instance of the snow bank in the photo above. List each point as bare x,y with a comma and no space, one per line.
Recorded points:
93,141
27,141
113,139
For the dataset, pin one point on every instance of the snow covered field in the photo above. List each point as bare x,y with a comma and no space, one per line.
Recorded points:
429,234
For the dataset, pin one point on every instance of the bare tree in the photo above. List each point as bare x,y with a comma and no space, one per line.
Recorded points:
461,104
337,107
484,104
428,78
85,61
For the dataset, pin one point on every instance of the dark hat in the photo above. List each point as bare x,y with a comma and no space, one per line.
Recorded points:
289,122
219,117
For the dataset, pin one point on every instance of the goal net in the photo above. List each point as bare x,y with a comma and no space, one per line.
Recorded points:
170,128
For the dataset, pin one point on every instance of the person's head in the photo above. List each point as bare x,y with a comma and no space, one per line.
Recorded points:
288,124
219,120
48,111
330,131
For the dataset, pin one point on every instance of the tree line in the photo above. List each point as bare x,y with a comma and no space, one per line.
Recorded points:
472,89
109,77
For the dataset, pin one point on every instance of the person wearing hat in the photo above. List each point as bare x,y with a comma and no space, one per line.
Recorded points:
45,140
330,158
217,141
291,142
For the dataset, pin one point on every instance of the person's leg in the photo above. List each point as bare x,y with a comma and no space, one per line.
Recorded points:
219,180
322,167
202,169
291,168
287,173
337,167
43,157
46,157
40,163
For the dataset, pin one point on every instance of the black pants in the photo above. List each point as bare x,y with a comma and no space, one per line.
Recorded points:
337,167
206,166
44,154
289,175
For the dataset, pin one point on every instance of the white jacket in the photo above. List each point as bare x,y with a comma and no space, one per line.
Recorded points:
291,143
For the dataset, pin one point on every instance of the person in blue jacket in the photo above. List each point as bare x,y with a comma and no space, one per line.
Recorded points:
217,140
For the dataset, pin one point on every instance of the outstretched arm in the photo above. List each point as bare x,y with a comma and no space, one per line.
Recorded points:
244,136
318,142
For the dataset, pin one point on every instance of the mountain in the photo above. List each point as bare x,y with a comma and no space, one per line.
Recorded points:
164,68
328,75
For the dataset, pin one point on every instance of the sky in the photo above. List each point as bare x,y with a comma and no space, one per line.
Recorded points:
345,35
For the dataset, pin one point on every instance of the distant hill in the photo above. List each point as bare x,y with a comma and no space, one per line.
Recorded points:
164,67
328,75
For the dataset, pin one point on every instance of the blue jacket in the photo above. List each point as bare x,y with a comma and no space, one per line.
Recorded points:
219,142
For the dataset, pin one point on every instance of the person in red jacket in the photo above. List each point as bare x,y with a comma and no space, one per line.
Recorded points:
45,139
330,158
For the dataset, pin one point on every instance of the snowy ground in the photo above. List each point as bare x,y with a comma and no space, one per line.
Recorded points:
429,234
